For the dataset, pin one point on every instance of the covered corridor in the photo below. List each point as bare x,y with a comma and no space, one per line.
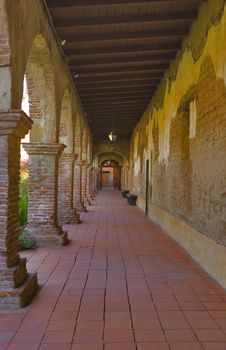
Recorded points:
121,284
99,99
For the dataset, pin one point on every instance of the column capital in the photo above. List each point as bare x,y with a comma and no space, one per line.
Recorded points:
80,162
44,148
15,122
69,157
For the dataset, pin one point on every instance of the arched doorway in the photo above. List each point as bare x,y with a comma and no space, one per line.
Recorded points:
110,175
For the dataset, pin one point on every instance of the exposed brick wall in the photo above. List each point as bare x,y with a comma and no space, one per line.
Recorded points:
43,194
192,185
66,213
13,273
41,91
4,50
78,203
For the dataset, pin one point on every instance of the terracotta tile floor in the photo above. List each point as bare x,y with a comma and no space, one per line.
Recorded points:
121,284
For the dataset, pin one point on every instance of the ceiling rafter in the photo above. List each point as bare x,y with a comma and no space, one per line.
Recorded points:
122,60
155,47
106,37
118,51
100,3
119,20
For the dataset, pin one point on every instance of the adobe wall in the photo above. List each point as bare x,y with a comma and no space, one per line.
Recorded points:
183,133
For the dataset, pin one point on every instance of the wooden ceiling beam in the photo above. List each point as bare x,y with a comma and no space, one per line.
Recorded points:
106,67
160,17
119,121
131,100
115,96
119,93
127,117
108,37
109,109
101,3
112,87
121,60
114,80
154,48
84,71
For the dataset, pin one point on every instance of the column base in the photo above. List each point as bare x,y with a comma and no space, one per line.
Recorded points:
46,235
88,200
70,217
15,298
80,207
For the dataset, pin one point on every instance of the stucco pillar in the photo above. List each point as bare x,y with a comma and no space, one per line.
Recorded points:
16,286
43,166
77,197
66,213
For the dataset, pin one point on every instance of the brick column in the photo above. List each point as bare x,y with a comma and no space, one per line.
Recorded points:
77,196
95,180
42,194
89,195
16,286
92,182
96,177
66,213
84,183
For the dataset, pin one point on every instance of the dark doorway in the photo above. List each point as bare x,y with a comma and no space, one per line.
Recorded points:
147,186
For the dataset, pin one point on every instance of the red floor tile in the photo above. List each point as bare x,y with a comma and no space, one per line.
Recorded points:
152,346
120,280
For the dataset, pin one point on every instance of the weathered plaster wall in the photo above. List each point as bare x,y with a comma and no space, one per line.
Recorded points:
183,133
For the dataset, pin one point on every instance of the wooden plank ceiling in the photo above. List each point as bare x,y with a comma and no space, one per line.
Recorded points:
117,53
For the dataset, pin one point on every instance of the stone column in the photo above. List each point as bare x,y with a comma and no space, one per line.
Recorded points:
43,169
84,183
77,196
97,180
16,286
89,195
93,189
92,192
66,213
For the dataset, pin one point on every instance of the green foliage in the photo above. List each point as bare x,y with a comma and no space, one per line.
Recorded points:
24,242
23,201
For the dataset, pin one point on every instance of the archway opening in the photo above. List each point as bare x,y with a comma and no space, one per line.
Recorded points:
110,175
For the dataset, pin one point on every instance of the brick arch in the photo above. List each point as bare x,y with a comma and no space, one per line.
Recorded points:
112,156
66,124
40,78
78,136
5,75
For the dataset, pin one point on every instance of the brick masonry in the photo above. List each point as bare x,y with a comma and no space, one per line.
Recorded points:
43,194
77,190
66,213
192,186
16,286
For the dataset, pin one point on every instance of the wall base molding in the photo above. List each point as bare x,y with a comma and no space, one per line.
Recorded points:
208,253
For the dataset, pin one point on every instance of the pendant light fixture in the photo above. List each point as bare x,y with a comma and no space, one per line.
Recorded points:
113,136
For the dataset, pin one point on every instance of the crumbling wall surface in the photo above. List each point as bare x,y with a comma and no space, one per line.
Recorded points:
183,132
